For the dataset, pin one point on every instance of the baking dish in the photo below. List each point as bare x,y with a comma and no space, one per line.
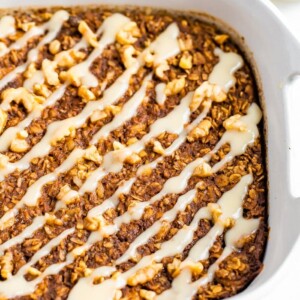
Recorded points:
266,36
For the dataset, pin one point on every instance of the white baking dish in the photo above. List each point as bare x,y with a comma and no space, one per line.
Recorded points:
277,57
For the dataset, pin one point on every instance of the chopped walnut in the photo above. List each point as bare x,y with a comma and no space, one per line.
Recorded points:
175,86
147,295
26,26
51,219
158,148
216,289
221,38
54,47
41,90
98,115
6,263
234,123
145,274
118,146
185,44
128,34
195,267
113,109
61,134
3,120
88,34
48,68
29,100
200,131
68,58
33,271
127,55
85,93
160,69
207,91
19,145
202,170
215,211
3,161
31,69
67,195
131,141
92,154
148,57
174,267
91,224
133,159
186,61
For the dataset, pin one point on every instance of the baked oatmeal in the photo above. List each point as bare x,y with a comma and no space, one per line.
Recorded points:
132,159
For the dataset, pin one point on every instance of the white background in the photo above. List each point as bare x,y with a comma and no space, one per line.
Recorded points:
289,285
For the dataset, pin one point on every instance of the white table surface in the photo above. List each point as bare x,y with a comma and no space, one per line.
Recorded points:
288,289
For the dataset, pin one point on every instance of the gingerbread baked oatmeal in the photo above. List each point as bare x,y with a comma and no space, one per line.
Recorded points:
132,159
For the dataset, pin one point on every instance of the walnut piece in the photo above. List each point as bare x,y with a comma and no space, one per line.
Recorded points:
160,69
19,144
133,159
91,224
31,69
26,26
234,123
92,154
186,61
158,148
202,170
67,195
145,274
88,34
174,267
69,58
175,86
41,90
29,100
86,94
201,130
207,91
6,264
33,271
127,55
128,34
48,68
147,295
98,115
221,38
61,134
54,47
118,146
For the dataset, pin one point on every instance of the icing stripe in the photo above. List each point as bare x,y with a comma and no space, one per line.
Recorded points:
53,26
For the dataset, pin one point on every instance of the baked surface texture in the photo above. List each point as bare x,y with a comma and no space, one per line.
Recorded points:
132,157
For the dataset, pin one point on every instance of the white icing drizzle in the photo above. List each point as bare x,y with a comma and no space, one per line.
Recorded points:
33,193
163,47
109,28
52,27
223,72
177,243
160,93
7,26
8,287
